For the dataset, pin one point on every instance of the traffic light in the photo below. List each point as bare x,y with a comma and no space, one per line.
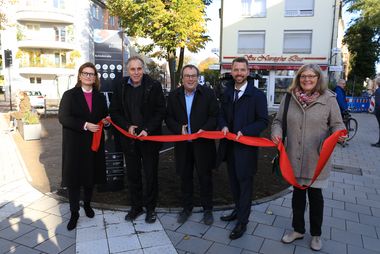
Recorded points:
8,57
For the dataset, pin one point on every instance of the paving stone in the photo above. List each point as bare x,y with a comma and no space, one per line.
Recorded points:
193,228
370,203
362,229
125,228
334,222
283,222
174,237
371,243
346,237
6,245
366,219
123,243
265,231
34,237
44,204
344,186
56,244
249,242
28,216
356,250
260,207
219,235
334,203
62,230
280,210
114,217
342,214
250,226
85,222
248,252
263,218
48,222
156,238
270,247
277,202
60,209
218,248
303,250
90,234
355,193
345,198
167,249
15,231
142,226
70,250
365,189
331,246
194,245
168,222
19,249
358,208
375,211
98,246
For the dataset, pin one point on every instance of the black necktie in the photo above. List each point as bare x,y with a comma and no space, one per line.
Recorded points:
236,95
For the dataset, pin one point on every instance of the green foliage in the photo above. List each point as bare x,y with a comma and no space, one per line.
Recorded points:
211,76
170,24
30,117
364,50
369,10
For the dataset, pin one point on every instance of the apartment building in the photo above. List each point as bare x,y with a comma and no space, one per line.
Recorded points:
49,40
278,36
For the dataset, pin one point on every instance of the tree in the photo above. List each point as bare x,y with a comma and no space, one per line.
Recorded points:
3,8
362,39
170,24
204,64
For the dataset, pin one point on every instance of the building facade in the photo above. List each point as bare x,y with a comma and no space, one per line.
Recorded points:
49,40
278,36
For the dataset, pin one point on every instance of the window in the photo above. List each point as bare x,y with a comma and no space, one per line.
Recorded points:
95,11
297,41
282,80
60,33
253,8
251,42
111,21
59,4
35,80
299,8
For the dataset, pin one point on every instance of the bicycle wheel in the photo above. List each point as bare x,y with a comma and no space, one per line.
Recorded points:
352,128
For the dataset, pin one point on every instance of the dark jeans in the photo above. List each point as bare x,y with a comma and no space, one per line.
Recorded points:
241,182
74,196
205,181
143,155
315,210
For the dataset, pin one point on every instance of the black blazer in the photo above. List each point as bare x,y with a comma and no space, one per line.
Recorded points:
204,113
80,165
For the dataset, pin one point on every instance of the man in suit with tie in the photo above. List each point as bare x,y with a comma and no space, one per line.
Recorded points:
244,112
193,108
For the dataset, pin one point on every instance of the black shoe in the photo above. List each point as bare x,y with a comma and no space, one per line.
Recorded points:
229,217
88,211
238,231
183,216
376,145
151,216
208,218
73,221
134,213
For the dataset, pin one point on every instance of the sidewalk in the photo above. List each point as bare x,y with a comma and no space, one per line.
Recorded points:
31,222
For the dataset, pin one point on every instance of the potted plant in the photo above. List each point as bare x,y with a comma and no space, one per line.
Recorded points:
30,126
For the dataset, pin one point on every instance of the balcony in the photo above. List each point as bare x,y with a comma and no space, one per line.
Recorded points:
45,44
50,15
47,69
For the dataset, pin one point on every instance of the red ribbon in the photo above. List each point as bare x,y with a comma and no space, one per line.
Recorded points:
285,166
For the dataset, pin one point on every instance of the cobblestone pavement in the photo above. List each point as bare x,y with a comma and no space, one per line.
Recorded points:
31,222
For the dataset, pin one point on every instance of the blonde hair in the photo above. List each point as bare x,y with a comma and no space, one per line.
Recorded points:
321,83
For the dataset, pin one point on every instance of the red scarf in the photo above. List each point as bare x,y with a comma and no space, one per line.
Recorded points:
305,98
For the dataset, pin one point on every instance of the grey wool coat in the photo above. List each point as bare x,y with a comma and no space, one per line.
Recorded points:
307,128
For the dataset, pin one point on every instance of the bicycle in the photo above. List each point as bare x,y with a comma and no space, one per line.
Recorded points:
351,125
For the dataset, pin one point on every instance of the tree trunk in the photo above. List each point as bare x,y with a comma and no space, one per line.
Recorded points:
171,58
180,64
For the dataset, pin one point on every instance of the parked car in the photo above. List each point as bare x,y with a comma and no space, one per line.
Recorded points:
37,100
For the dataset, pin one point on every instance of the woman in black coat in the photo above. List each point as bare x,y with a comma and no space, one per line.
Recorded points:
81,108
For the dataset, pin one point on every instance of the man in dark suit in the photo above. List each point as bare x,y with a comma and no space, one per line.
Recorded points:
244,112
193,108
138,105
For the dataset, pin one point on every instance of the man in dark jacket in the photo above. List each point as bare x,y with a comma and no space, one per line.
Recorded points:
138,105
244,112
341,95
377,108
193,108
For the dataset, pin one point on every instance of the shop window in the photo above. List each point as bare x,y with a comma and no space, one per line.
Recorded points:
253,8
95,12
297,41
282,80
251,42
299,8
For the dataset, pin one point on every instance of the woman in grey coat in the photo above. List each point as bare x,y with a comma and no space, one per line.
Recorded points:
313,115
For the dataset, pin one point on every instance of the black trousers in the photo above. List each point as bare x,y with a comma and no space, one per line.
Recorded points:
142,155
187,186
74,196
315,210
377,114
241,183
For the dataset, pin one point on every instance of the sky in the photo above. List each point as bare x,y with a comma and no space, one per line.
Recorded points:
213,27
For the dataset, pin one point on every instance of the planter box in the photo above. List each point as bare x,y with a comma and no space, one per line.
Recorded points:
29,131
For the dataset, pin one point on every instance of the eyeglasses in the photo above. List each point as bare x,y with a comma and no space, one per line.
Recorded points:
88,74
308,76
190,76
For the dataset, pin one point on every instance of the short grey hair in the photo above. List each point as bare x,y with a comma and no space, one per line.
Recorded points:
133,58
